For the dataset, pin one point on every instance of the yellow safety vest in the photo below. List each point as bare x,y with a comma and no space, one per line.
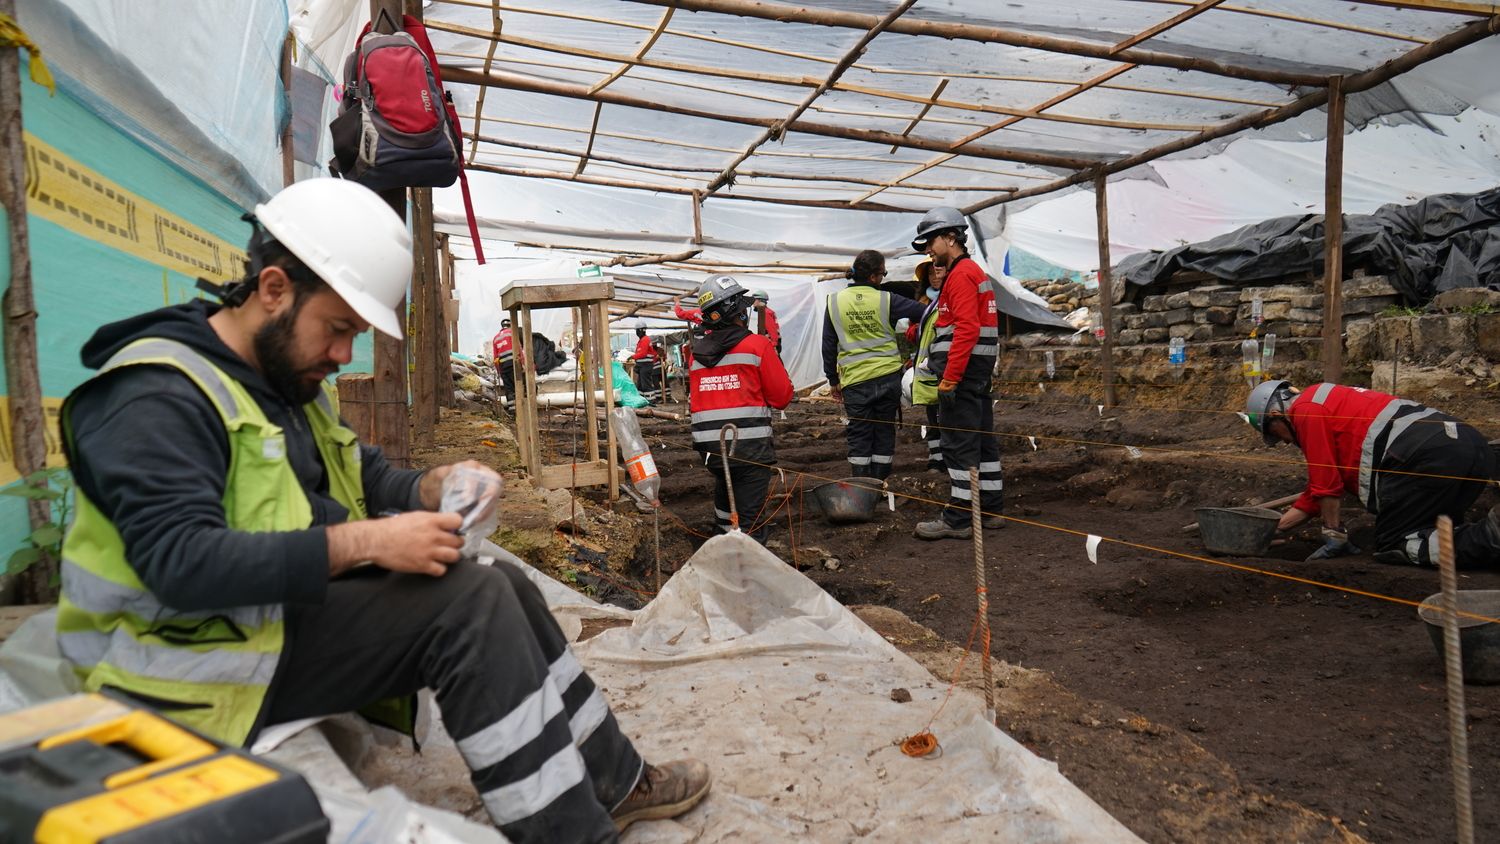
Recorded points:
215,666
861,318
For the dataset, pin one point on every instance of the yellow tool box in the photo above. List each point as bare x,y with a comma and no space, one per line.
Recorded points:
88,768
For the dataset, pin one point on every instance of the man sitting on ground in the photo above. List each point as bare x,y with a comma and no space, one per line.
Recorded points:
222,512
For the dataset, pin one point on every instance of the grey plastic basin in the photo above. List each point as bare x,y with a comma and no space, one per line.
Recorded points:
1237,531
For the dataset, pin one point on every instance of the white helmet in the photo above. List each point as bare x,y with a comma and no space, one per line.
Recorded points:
351,239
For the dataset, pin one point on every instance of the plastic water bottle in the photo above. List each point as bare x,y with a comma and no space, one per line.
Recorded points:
1257,309
1051,365
1176,352
639,463
1250,361
1267,354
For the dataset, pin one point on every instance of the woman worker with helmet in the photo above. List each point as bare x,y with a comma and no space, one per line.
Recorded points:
737,378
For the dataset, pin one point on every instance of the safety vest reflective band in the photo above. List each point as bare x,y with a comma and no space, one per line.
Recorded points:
924,381
213,666
861,317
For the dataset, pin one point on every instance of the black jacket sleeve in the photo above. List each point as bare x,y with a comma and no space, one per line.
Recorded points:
151,454
904,308
830,350
386,487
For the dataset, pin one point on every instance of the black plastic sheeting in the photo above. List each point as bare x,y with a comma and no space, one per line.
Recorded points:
1436,244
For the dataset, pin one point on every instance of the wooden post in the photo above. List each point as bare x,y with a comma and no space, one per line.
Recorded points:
392,429
425,322
697,218
288,159
357,403
601,323
1333,236
1106,291
447,328
23,382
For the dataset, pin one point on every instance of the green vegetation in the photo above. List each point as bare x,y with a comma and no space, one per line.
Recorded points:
46,541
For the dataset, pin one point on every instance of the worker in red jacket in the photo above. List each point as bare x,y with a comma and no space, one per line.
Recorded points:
737,378
502,349
647,359
1407,464
765,322
962,356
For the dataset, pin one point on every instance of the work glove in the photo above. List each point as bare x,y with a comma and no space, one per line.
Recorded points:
946,386
1335,544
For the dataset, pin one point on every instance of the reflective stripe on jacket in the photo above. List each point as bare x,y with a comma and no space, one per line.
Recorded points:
1344,433
740,389
861,317
213,666
967,339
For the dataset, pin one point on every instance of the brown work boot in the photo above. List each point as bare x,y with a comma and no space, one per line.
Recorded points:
664,791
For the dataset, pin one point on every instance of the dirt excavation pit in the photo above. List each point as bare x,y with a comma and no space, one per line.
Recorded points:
1193,701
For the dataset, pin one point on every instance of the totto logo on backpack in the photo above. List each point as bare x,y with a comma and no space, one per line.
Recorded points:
393,128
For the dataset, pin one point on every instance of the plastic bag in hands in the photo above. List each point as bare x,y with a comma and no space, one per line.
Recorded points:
474,494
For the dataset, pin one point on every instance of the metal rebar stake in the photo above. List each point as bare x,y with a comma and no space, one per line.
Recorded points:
726,449
1458,731
976,522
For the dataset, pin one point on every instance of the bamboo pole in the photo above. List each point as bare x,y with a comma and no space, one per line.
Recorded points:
496,26
645,48
1458,721
588,148
447,331
777,129
1267,13
23,384
1106,291
535,85
1157,29
1333,235
985,35
926,107
681,191
1449,43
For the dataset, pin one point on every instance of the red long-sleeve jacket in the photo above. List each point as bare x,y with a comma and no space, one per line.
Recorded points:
692,315
967,321
1343,433
770,327
502,344
645,351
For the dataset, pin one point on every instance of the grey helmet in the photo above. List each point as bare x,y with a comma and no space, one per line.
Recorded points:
1268,397
939,219
722,298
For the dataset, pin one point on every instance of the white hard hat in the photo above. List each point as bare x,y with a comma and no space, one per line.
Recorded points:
347,235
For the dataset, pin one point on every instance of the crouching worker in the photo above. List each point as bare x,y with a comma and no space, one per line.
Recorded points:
203,573
1408,464
737,378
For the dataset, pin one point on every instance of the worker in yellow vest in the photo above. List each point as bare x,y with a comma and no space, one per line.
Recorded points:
862,361
208,571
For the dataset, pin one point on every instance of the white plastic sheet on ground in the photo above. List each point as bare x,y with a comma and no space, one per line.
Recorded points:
724,665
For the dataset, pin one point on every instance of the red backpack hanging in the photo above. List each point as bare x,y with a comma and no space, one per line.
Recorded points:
397,126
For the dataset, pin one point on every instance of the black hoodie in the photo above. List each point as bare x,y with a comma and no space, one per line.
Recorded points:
150,451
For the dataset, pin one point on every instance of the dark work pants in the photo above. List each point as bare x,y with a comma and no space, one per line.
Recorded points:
507,370
543,748
934,439
1409,504
751,484
968,440
647,379
873,407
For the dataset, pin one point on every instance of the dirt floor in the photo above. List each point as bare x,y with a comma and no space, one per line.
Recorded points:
1191,700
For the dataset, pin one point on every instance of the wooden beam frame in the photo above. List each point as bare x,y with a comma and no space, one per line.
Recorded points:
1333,235
521,82
987,35
1457,7
1456,40
926,107
777,129
497,24
588,148
681,191
1157,29
1326,24
793,81
645,48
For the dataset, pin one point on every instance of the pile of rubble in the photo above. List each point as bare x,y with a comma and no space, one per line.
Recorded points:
475,381
1063,297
